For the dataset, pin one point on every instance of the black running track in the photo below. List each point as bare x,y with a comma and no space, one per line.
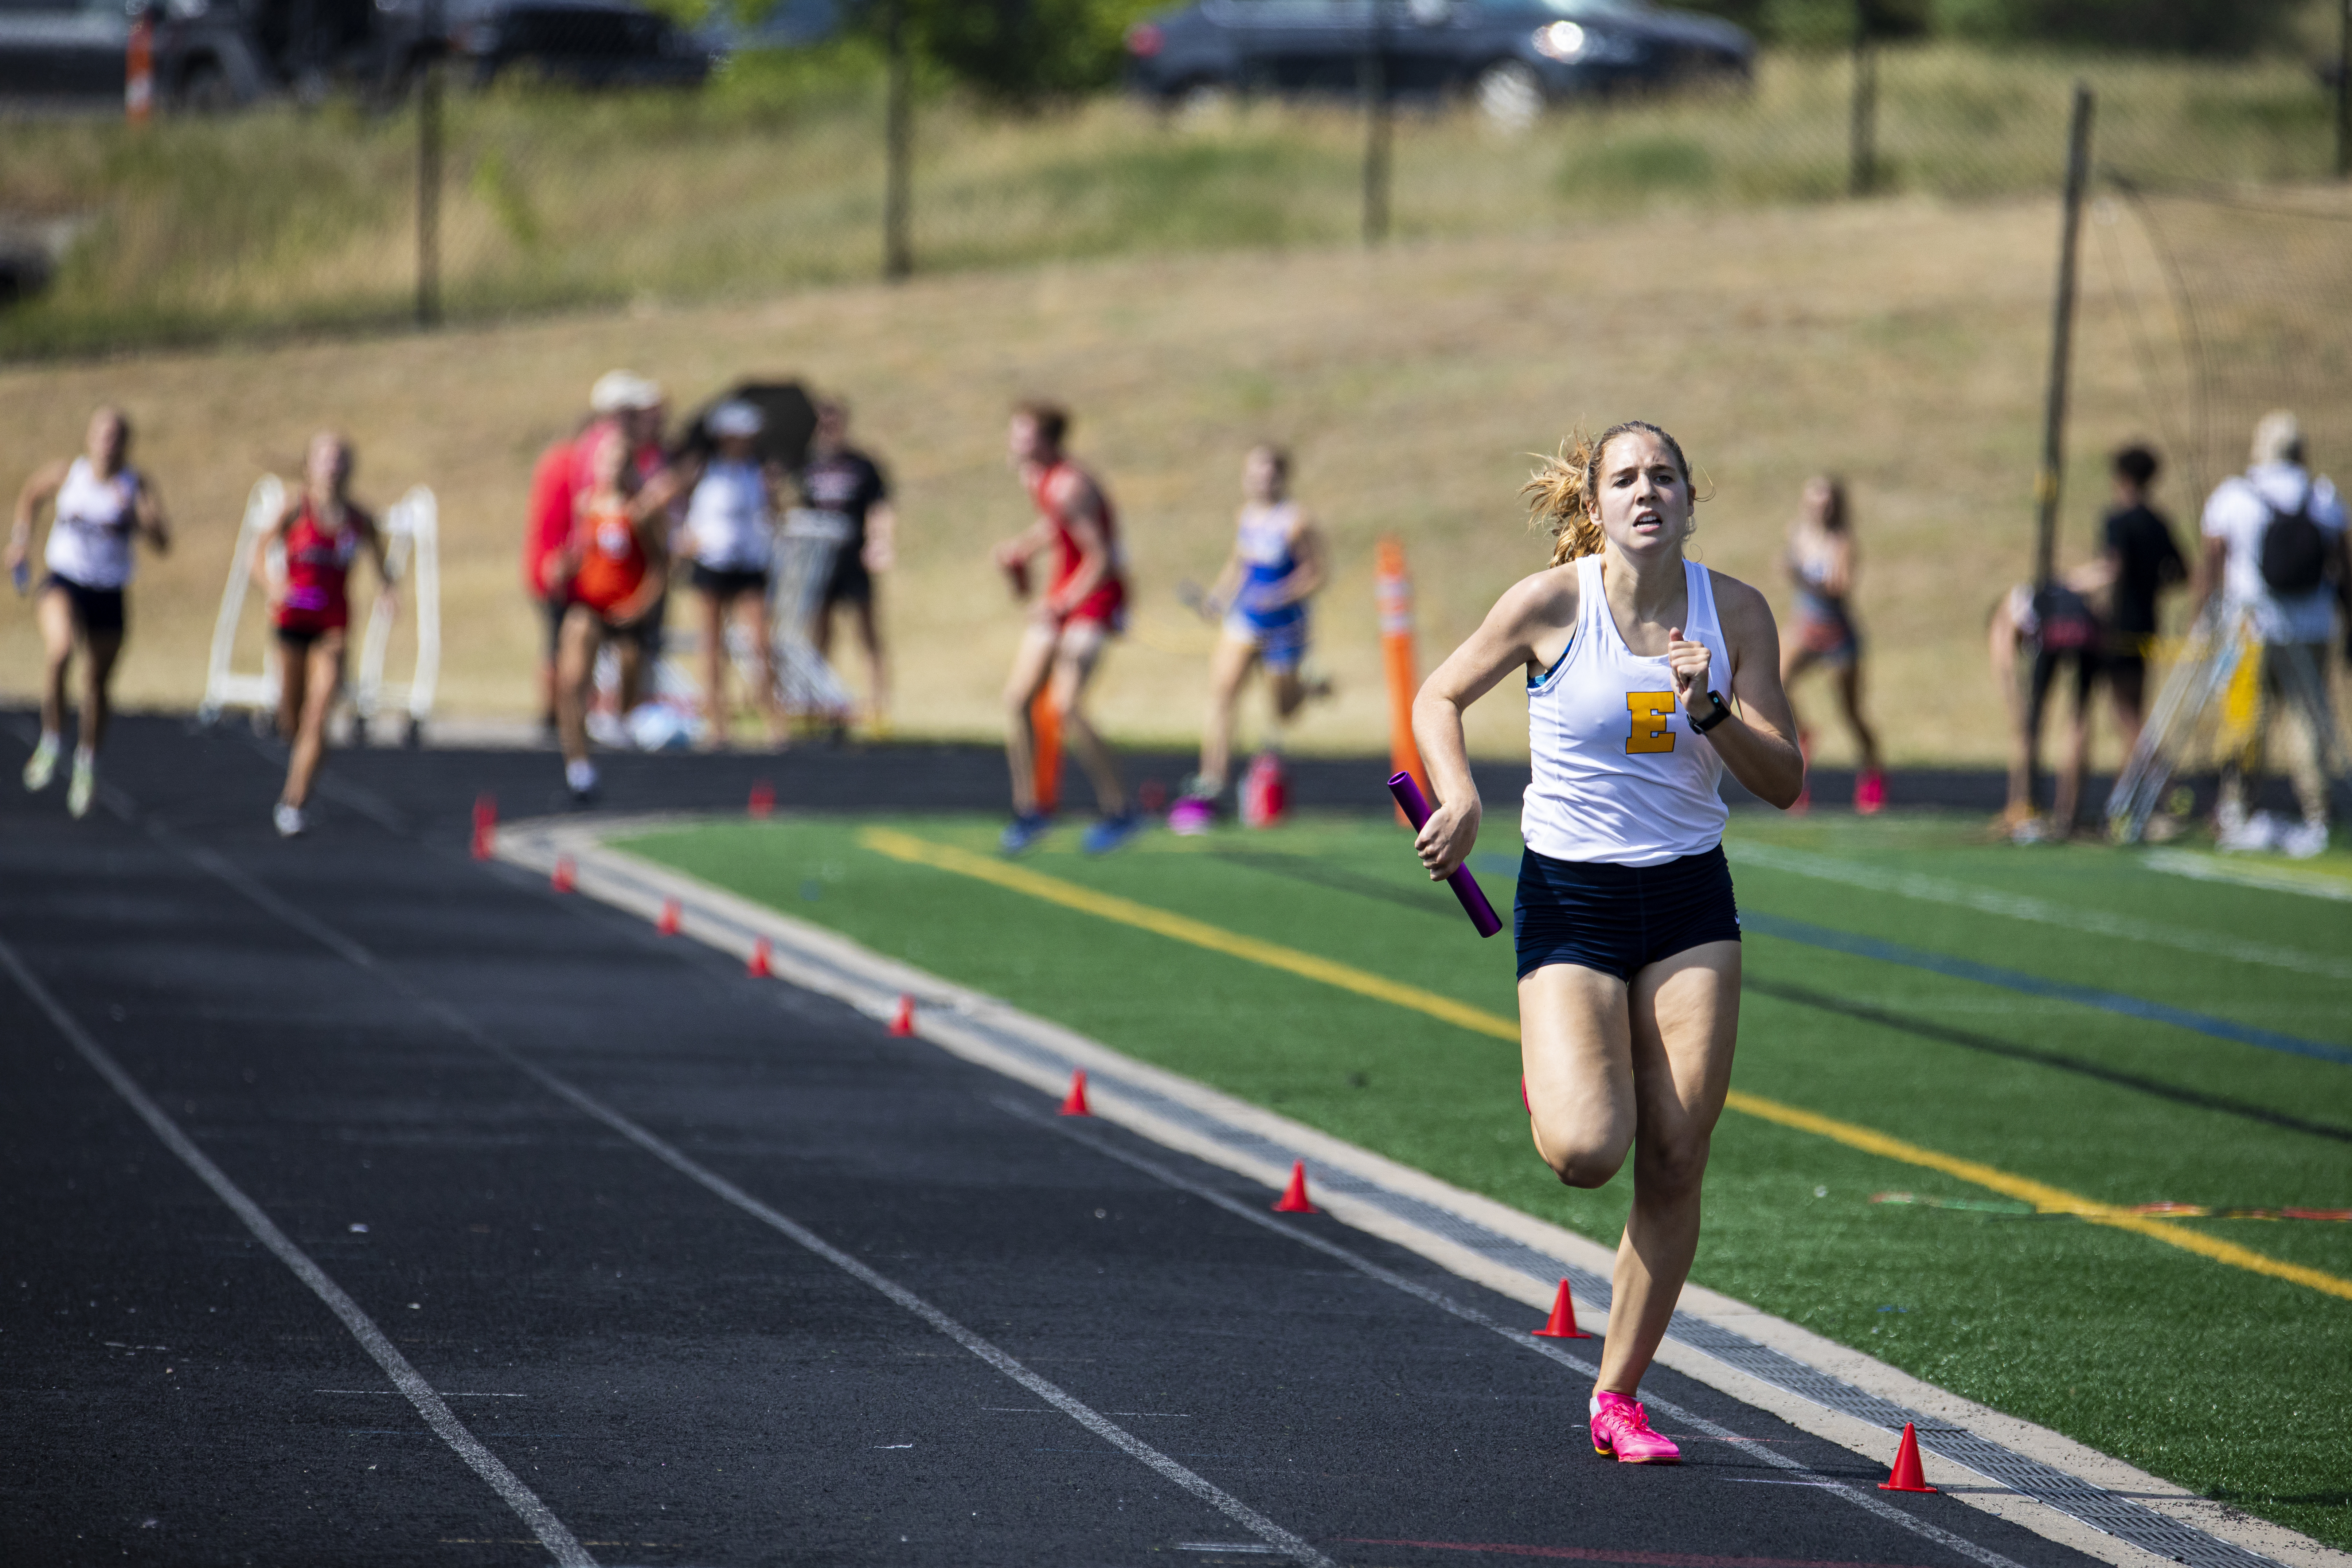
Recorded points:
423,1071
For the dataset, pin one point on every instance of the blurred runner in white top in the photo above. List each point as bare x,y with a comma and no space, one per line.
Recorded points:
2275,545
730,536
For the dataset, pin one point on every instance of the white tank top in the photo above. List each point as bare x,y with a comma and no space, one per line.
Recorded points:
728,519
1617,775
89,542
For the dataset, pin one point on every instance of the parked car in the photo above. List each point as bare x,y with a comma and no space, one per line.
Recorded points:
580,43
76,52
1515,55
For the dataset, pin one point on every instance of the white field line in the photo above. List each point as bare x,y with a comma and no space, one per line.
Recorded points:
2270,879
2041,911
872,983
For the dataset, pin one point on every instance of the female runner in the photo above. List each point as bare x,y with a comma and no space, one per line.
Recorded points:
1628,937
102,504
1822,563
614,568
310,609
731,523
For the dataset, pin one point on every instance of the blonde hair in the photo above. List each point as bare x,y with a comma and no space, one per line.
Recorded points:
1560,494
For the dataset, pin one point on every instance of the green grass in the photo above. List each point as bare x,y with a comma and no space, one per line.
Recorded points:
772,178
2225,1380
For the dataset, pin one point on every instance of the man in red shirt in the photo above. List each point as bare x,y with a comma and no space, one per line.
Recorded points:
1069,625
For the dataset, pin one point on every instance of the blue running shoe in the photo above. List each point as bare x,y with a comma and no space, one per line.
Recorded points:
1112,831
1023,831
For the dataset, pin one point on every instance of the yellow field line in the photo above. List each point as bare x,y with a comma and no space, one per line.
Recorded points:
2046,1199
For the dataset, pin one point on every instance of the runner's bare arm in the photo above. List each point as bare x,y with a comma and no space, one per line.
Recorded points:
881,551
1307,548
39,491
1534,611
147,511
1758,742
1081,510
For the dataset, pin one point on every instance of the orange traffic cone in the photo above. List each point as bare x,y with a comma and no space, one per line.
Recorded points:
1075,1103
485,826
763,798
1907,1476
564,877
902,1021
670,918
756,968
1294,1196
1561,1324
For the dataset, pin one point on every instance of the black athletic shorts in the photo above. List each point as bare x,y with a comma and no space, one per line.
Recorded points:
2085,661
94,609
1619,918
723,582
850,583
299,640
553,607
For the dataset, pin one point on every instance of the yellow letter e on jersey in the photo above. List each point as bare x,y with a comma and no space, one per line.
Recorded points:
1650,711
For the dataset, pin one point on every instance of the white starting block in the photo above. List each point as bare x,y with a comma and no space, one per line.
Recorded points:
412,549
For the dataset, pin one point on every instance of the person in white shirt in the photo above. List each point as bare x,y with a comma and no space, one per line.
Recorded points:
730,536
1627,931
2274,549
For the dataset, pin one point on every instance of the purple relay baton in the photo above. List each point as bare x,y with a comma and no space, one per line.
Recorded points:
1465,887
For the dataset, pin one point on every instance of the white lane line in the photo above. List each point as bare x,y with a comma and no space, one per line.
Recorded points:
1288,1544
2041,911
551,1530
2269,879
1516,1334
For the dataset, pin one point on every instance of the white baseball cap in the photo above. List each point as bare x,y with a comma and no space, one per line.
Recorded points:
735,417
622,391
2278,439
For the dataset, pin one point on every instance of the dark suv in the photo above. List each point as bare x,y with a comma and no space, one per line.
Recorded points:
1515,55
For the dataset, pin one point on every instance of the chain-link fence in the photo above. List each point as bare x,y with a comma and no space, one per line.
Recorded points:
776,175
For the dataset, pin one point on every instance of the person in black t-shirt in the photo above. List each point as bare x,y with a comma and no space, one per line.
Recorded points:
2141,561
839,479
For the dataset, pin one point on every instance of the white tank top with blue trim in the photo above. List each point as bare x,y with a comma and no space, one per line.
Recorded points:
89,542
1617,774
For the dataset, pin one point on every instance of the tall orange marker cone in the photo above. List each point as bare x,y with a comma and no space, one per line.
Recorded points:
1075,1103
565,877
1393,591
139,70
1561,1324
670,918
757,967
1046,724
1294,1196
485,826
902,1021
1907,1476
763,799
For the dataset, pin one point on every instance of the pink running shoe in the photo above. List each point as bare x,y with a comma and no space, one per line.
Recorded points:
1870,793
1191,818
1621,1429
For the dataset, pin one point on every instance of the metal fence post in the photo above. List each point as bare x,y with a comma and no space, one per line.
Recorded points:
1861,172
2344,92
897,180
429,172
1373,71
2061,335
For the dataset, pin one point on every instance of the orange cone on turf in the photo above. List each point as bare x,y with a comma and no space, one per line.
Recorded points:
1561,1324
485,826
1075,1103
756,968
902,1021
763,798
1907,1477
670,918
1294,1196
564,877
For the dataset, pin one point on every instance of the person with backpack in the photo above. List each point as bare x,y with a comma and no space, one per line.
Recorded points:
2274,549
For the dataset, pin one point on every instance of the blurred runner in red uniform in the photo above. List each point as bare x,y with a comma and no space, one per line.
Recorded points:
1069,626
613,571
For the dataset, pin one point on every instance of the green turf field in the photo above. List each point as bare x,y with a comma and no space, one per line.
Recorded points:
2085,1028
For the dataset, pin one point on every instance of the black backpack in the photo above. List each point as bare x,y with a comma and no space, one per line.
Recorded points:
2293,551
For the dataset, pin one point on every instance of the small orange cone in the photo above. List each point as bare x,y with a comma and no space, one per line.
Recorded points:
1294,1196
757,968
1907,1476
670,918
1075,1103
763,798
565,878
1561,1324
485,826
902,1021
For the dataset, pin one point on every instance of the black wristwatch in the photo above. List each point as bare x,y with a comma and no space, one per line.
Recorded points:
1722,712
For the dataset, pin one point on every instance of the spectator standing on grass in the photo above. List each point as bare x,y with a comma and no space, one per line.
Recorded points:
2059,633
2274,549
1627,930
729,536
846,483
104,506
323,531
1070,624
1822,562
2139,561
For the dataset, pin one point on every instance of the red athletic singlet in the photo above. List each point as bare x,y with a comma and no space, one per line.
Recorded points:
612,562
318,566
1107,603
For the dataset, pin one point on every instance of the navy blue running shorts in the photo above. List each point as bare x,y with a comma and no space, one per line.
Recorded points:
1618,919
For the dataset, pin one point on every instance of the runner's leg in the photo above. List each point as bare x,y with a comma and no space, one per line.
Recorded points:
712,614
1033,663
102,648
1849,680
1229,666
55,614
322,681
878,659
750,608
576,666
1081,648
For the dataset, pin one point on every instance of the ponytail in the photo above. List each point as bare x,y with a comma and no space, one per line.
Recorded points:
1562,495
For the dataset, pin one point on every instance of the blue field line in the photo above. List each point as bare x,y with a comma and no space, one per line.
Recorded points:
2034,985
